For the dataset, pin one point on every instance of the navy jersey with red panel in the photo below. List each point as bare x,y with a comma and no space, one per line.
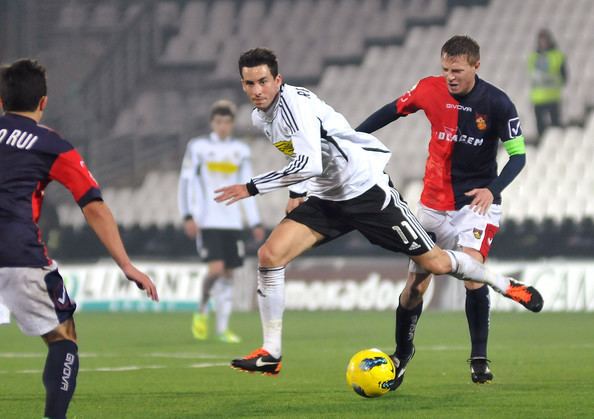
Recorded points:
31,156
465,133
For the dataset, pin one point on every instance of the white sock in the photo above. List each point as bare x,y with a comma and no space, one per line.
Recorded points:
271,300
4,315
224,303
466,268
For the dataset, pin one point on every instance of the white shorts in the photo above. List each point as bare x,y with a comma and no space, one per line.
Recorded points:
36,297
460,228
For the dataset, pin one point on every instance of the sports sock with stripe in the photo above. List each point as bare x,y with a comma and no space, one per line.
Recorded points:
59,377
477,313
466,268
406,324
271,301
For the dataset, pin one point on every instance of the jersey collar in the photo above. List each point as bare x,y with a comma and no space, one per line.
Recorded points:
215,138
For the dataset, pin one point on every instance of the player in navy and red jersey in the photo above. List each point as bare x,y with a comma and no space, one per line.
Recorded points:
460,202
31,156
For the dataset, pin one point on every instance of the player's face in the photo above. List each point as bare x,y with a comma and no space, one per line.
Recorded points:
459,73
260,86
222,125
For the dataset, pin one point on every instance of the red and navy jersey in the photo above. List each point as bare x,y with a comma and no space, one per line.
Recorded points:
31,156
465,133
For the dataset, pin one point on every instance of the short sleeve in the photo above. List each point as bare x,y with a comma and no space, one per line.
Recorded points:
71,171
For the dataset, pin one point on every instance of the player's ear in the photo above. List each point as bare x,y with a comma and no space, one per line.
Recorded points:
42,103
477,65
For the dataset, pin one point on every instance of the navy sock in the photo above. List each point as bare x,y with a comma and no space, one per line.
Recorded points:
406,324
478,305
59,377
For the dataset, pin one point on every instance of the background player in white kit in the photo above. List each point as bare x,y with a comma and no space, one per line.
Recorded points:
209,163
342,173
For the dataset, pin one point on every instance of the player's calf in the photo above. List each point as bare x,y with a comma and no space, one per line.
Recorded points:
59,377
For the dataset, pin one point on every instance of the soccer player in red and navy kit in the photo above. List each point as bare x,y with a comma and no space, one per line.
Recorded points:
460,202
31,156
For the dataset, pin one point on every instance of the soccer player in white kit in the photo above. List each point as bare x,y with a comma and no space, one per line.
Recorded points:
209,163
341,173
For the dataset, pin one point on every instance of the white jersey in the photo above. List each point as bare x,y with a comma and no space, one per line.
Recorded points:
327,157
211,163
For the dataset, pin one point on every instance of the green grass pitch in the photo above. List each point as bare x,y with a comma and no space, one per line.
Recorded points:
148,366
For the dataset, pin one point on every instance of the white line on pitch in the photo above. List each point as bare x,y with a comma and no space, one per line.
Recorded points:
123,368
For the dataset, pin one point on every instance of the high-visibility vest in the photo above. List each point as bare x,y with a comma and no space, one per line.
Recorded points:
546,78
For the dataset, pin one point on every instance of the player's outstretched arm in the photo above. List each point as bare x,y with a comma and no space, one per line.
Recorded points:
231,194
100,218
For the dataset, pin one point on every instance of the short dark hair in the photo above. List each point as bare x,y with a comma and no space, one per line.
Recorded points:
224,108
259,56
462,45
22,85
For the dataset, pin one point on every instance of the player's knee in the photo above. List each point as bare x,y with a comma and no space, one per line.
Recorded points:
439,265
268,256
216,268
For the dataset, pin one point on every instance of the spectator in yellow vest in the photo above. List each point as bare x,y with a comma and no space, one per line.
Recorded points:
548,74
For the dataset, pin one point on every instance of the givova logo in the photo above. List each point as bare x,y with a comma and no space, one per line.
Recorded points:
67,371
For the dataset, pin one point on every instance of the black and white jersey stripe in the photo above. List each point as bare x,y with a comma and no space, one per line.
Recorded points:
287,115
412,220
295,166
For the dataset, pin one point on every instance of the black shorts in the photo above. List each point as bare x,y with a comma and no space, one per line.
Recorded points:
394,228
225,245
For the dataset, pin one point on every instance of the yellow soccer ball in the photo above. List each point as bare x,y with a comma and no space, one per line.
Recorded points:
371,373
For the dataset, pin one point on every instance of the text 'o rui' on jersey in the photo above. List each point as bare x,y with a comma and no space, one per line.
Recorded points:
465,134
31,156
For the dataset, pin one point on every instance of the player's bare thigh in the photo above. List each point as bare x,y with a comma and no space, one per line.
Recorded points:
287,241
64,331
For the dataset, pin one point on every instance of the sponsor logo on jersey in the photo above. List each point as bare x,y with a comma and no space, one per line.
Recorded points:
285,147
458,107
225,167
513,125
481,121
450,135
477,233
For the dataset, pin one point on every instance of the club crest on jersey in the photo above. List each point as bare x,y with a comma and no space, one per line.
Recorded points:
477,233
285,147
481,121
